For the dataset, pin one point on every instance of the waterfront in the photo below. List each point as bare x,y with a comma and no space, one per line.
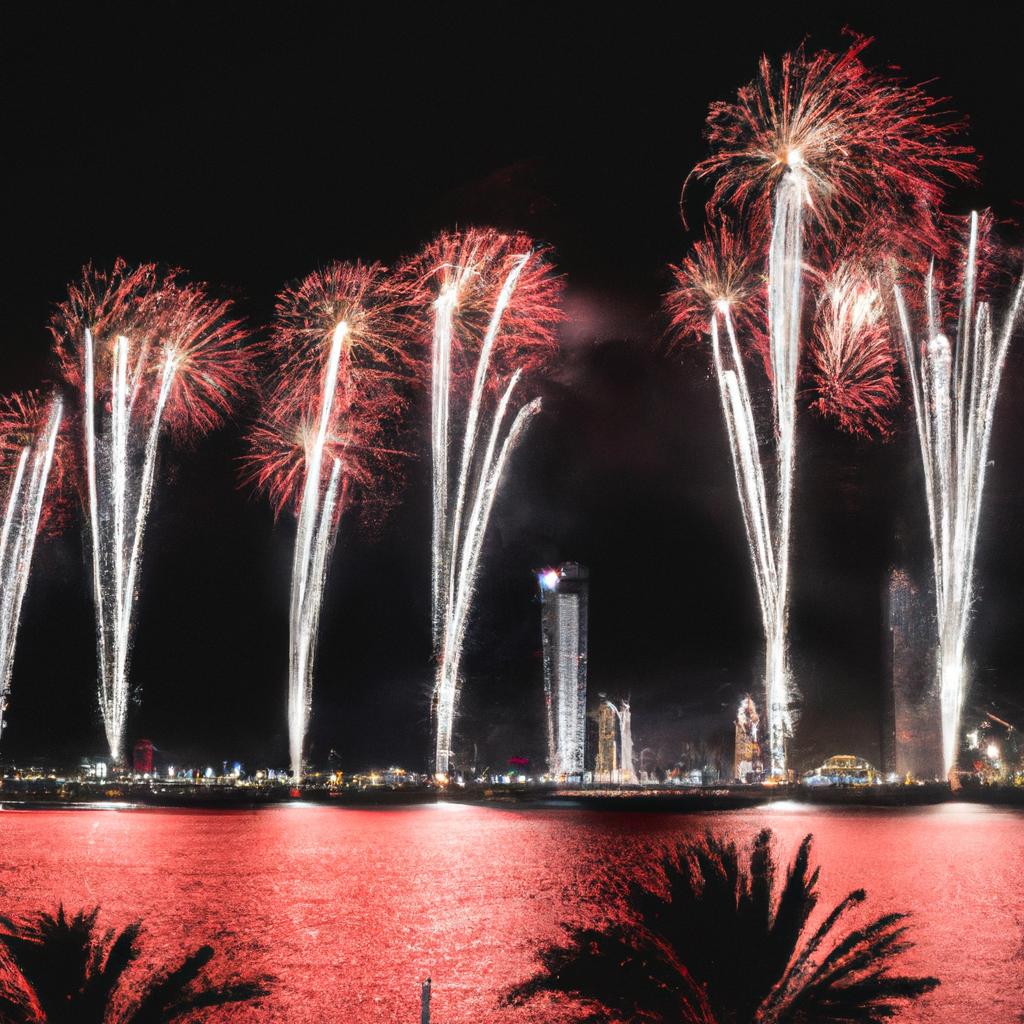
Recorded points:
350,908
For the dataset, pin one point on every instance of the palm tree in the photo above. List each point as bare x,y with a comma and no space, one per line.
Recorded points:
712,943
60,970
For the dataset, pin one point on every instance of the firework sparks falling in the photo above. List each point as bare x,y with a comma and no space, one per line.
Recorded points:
851,356
955,387
28,441
320,444
494,307
145,351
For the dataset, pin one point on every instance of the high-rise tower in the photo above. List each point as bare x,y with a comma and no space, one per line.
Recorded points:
747,757
911,722
564,593
606,763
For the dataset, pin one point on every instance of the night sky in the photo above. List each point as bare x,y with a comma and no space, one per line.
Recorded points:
252,146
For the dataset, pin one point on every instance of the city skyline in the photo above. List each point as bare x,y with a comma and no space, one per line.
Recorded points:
623,470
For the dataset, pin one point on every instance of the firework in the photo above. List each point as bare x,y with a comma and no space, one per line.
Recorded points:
871,147
859,153
722,284
494,305
851,356
29,432
725,269
320,445
955,387
145,351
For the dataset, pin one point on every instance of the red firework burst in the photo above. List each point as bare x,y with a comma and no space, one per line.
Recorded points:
870,146
212,368
725,268
363,297
473,266
369,396
23,419
851,358
163,317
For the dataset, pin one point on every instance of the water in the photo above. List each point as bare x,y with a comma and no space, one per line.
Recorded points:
350,909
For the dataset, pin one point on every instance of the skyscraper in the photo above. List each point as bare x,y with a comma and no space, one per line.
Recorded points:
911,720
564,593
606,764
747,759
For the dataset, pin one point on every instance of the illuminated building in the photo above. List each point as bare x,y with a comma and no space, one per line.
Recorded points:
627,770
911,718
747,758
142,758
564,593
606,764
614,762
843,770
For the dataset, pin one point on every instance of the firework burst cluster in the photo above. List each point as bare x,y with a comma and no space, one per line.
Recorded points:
876,158
146,355
828,182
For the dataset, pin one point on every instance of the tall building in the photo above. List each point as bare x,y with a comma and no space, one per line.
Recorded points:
564,593
142,757
747,758
911,715
606,763
627,770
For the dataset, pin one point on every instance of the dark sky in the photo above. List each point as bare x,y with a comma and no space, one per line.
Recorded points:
251,144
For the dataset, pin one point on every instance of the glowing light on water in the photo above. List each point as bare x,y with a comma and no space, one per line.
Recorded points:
22,514
955,387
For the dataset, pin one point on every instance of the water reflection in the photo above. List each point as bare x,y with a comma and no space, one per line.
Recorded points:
351,908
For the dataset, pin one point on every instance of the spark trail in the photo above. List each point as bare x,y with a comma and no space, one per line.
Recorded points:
318,515
119,496
493,304
955,387
861,155
148,354
767,525
23,511
321,443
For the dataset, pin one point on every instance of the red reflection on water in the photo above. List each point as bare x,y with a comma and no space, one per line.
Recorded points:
350,909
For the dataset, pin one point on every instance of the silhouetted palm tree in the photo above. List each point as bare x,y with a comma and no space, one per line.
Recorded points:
61,971
712,943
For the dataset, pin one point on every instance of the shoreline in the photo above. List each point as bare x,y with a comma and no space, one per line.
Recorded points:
75,796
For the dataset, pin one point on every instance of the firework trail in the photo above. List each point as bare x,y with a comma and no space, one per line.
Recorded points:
28,435
320,443
955,387
494,305
145,351
768,527
718,285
